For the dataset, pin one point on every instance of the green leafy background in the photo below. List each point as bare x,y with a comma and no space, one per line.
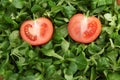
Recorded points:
61,58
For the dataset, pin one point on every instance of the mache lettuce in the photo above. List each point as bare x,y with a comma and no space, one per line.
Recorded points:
61,58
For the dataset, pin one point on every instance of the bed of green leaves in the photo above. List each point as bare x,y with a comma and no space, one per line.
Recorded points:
61,58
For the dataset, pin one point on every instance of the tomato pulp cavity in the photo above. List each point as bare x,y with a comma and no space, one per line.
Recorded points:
84,29
37,32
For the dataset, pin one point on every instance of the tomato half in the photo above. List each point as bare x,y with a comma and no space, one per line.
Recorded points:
37,32
84,29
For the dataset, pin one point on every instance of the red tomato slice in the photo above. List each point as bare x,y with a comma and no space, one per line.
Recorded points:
84,29
37,32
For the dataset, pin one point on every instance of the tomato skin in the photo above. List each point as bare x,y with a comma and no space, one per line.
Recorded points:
118,2
37,32
84,29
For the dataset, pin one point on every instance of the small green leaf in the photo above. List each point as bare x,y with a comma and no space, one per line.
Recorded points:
49,45
31,54
117,40
9,20
108,16
93,48
51,53
18,3
50,71
113,22
4,45
68,77
71,69
103,63
81,61
109,29
69,11
101,2
21,61
113,76
14,38
93,74
29,77
65,45
99,9
35,8
69,54
13,76
60,32
56,9
112,56
4,2
51,3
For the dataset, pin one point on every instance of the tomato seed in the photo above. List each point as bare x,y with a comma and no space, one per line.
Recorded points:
43,29
28,34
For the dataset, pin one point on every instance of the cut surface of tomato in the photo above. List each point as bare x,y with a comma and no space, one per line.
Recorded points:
37,32
84,29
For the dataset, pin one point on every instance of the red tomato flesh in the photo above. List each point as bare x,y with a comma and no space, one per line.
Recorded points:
84,29
37,32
